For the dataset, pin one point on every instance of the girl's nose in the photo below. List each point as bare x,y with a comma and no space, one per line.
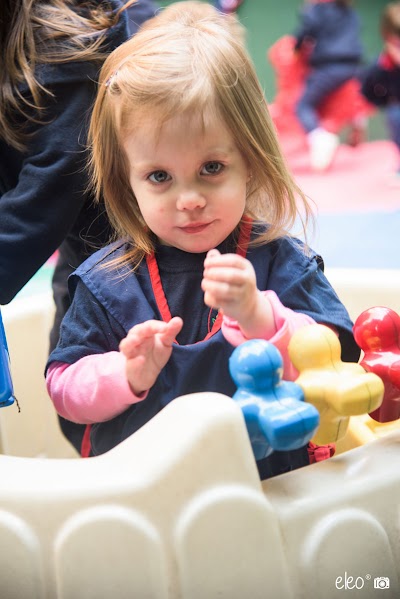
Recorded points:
190,200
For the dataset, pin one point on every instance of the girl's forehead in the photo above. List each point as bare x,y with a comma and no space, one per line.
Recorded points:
187,134
193,122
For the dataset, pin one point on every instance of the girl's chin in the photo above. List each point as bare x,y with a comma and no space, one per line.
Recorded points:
195,242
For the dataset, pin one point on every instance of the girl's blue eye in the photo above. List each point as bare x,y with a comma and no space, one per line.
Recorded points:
212,168
159,177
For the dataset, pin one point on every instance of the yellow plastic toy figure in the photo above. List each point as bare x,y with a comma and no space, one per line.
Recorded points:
337,389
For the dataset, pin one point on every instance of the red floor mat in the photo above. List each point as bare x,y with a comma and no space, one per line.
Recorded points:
361,179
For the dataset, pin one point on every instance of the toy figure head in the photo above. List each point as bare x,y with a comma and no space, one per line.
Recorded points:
377,329
256,365
314,346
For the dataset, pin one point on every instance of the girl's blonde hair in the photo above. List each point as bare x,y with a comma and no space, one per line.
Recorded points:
185,60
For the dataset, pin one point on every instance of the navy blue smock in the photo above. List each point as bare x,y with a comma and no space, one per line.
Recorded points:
106,304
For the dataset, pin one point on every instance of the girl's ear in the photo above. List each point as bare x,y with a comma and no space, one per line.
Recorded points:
249,176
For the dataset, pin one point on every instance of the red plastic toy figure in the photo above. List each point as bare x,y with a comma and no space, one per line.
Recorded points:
377,332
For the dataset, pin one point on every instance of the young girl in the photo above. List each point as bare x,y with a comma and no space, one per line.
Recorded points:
329,33
185,154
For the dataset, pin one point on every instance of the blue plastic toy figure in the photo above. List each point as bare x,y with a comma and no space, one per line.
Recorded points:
6,386
277,418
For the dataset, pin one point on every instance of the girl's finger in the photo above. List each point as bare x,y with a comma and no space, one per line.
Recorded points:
172,330
218,259
147,328
233,276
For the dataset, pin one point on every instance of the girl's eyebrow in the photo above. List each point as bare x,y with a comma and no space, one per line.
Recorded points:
219,150
146,166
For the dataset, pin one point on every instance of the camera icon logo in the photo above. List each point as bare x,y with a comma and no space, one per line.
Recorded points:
382,582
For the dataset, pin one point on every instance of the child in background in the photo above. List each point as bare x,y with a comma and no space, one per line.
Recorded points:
186,157
329,34
381,80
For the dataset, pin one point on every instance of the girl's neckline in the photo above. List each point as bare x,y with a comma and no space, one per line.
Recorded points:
155,278
176,260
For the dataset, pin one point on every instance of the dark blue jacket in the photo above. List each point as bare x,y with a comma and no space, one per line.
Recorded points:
42,197
43,202
334,32
107,304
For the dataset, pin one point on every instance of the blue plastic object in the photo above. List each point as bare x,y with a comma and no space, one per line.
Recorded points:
276,415
6,386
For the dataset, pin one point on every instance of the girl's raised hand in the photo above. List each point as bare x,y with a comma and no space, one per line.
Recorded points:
147,348
229,284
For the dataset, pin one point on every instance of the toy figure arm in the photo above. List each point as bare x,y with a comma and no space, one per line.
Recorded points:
287,321
394,374
93,389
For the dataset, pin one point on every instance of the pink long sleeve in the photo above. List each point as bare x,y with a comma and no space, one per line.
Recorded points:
286,321
94,389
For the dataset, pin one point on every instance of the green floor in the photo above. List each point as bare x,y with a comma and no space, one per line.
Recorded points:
267,20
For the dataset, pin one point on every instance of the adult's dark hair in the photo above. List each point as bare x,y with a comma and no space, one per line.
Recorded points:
34,32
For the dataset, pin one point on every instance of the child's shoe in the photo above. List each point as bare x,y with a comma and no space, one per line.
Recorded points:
323,146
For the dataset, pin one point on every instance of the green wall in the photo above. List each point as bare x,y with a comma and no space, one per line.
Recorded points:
267,20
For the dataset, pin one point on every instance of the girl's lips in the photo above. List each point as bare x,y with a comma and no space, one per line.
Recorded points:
195,227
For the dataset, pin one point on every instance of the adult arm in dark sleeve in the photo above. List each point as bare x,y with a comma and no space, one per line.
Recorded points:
43,191
37,214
